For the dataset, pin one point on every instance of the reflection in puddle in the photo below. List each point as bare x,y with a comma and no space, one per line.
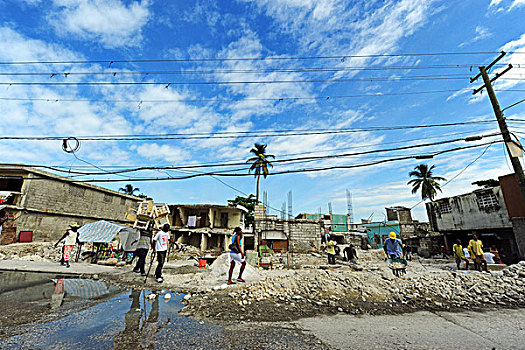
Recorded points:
94,315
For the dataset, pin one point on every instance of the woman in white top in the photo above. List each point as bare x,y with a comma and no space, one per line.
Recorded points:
70,239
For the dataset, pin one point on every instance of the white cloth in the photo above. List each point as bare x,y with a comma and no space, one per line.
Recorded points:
489,257
161,241
466,253
71,238
192,221
236,257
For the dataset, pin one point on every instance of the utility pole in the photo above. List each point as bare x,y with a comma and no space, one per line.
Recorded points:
518,170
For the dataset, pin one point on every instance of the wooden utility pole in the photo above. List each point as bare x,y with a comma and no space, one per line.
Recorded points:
518,170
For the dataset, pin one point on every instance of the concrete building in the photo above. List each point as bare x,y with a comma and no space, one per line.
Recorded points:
293,235
399,220
207,226
341,229
483,211
45,204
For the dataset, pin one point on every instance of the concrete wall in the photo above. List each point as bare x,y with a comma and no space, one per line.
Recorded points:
466,214
303,235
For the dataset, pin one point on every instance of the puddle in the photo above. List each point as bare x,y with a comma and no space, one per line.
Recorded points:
57,312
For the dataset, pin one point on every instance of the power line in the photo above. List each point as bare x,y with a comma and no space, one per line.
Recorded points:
277,161
167,84
277,99
66,74
459,173
241,134
305,170
269,58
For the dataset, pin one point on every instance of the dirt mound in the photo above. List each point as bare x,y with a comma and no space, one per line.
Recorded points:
220,267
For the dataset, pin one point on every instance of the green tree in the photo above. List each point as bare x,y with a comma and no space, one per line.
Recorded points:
260,164
424,180
486,183
129,189
247,202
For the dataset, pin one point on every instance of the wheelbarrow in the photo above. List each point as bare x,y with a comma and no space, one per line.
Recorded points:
398,266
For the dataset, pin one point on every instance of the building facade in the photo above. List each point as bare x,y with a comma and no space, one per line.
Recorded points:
207,226
483,212
45,204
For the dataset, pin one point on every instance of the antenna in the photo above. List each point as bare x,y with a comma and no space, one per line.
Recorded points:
350,207
290,213
283,211
330,208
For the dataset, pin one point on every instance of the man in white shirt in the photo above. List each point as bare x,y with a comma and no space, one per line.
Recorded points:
160,245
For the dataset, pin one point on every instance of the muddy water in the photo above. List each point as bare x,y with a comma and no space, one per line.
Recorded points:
57,312
40,311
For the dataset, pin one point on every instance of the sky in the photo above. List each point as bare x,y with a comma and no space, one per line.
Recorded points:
245,67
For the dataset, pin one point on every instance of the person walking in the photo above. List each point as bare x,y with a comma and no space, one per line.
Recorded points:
393,246
444,252
236,255
457,251
141,251
330,251
70,238
476,252
160,244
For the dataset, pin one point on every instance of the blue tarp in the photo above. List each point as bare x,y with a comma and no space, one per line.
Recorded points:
99,232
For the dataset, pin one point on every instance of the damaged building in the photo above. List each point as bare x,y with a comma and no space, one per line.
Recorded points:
207,226
293,235
40,205
486,212
341,229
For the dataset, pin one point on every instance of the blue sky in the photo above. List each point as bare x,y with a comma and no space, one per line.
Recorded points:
35,30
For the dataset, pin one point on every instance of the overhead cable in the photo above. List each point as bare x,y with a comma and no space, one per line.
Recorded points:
243,134
269,58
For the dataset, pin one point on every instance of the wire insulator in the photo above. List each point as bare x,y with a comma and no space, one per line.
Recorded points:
70,145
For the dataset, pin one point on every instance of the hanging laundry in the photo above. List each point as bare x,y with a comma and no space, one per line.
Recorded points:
192,221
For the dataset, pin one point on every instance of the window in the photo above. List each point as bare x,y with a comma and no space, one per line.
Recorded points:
11,183
487,200
76,191
108,198
444,207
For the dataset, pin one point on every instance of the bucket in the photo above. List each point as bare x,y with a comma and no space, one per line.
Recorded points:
202,264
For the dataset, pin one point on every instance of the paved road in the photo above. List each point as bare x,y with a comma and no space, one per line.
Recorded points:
55,268
501,329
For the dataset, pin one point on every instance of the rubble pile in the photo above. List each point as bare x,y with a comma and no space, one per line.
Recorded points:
35,251
305,293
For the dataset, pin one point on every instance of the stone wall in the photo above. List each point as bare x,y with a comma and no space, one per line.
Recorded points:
303,235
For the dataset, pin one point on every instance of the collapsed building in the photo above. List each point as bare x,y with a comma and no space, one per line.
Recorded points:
40,205
207,226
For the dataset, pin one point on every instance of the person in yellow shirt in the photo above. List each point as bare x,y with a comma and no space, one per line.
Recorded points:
330,250
457,250
476,253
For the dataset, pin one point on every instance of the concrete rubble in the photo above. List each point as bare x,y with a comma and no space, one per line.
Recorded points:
304,293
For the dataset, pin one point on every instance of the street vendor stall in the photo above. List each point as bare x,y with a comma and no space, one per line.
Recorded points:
103,233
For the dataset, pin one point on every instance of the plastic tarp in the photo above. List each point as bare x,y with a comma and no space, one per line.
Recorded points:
129,239
99,232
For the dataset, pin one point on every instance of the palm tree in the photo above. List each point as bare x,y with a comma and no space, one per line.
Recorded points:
260,164
129,189
423,179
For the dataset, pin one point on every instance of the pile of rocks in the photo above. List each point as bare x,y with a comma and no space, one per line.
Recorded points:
310,292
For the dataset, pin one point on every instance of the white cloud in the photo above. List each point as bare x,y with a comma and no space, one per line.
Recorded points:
110,22
509,5
163,152
481,33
